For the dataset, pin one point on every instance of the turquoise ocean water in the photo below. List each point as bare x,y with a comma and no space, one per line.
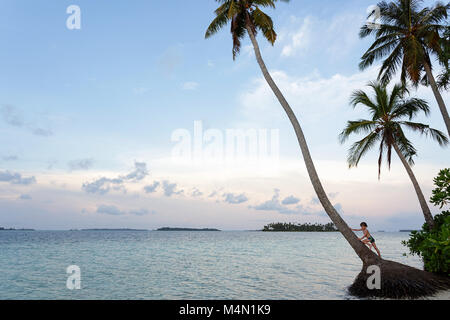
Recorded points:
184,265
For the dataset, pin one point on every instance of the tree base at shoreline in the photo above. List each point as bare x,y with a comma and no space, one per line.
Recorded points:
399,281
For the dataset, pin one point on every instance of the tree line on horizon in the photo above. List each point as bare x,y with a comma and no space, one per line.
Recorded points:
300,227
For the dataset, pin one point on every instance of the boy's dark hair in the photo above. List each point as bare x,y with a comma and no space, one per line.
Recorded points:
363,224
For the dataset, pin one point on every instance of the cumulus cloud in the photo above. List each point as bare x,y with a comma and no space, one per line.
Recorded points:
139,173
196,193
315,201
332,37
170,189
212,194
110,210
300,39
338,207
101,186
274,204
142,212
306,93
115,211
232,198
51,164
152,188
289,205
104,185
290,200
333,195
14,117
82,164
16,178
25,197
10,158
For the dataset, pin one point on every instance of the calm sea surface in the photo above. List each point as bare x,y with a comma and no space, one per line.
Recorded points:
184,265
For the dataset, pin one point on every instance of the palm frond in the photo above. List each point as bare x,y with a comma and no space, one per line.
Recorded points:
424,129
410,108
243,14
360,148
406,36
264,23
356,127
360,97
220,21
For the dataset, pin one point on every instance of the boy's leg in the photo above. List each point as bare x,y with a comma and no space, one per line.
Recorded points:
378,251
366,242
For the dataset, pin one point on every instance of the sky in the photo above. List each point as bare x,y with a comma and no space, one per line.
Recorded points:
128,122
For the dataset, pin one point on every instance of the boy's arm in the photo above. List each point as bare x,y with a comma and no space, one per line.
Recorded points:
356,229
365,235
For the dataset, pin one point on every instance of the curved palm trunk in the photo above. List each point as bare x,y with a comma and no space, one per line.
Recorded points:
361,250
438,96
423,203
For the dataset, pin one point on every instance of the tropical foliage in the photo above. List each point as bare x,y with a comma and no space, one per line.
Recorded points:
406,38
441,194
433,245
390,113
243,13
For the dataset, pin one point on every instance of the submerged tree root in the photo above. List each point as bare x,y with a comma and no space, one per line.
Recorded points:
398,281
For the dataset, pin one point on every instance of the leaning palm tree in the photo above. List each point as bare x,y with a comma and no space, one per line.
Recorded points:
390,113
246,17
407,37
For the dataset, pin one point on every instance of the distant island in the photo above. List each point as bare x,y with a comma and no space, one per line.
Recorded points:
13,229
185,229
124,229
307,227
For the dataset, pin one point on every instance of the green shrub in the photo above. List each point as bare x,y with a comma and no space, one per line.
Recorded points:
433,246
441,194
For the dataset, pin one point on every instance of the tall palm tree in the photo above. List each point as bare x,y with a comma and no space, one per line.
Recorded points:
390,113
406,38
397,280
247,18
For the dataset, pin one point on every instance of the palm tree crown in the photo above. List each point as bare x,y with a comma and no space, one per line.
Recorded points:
243,13
389,114
406,37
